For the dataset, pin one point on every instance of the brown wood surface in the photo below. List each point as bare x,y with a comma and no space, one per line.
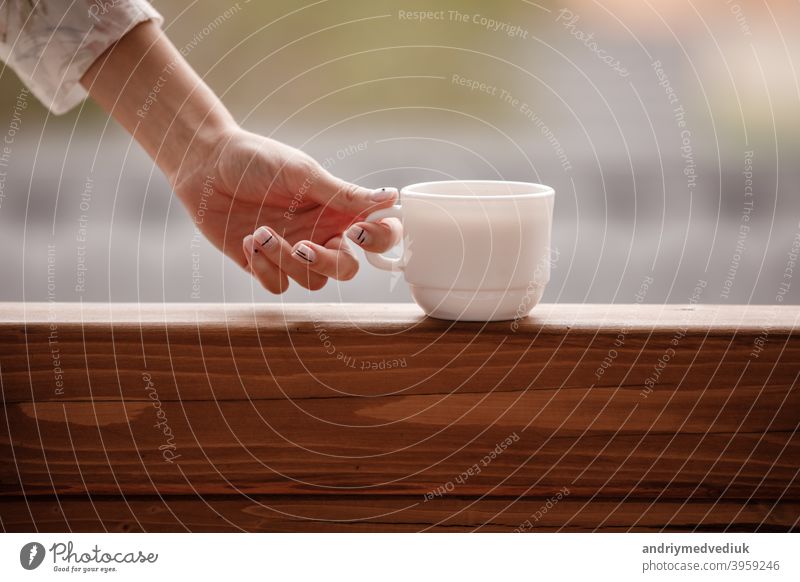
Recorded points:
331,417
366,513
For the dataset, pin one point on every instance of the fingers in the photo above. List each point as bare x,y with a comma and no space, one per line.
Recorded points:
275,249
269,259
269,275
348,198
273,261
376,237
334,259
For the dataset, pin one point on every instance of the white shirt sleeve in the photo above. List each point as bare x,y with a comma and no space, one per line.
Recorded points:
51,43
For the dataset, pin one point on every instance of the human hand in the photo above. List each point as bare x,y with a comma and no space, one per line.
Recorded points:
278,213
268,206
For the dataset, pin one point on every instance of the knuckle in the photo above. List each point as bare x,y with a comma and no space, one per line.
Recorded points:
298,160
305,172
309,167
350,193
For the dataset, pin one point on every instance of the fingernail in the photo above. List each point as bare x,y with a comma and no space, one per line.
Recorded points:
358,235
264,237
304,253
383,194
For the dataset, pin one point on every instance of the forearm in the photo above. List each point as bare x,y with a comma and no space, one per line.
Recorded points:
148,87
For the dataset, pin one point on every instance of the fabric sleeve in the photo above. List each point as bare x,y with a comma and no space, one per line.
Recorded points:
50,44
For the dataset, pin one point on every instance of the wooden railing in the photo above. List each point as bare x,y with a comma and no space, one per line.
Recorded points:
373,418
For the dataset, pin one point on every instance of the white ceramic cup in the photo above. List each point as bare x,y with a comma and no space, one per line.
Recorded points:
474,250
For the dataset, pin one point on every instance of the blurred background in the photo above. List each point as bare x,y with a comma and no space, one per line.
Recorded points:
670,130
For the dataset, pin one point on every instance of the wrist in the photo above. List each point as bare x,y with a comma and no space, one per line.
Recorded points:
190,149
147,85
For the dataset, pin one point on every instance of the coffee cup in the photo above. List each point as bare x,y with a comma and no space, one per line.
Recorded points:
474,250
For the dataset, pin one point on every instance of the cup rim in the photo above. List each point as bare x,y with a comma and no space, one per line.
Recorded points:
542,190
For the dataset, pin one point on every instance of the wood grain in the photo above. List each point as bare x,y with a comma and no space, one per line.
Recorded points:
365,513
654,406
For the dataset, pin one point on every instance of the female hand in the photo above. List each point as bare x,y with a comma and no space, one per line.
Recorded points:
268,206
277,212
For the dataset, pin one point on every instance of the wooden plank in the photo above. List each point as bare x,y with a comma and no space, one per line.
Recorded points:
335,445
274,352
650,405
381,513
558,318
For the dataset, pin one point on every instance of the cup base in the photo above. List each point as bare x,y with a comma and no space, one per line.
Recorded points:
475,305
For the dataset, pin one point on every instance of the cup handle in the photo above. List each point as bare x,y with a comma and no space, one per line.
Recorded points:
376,259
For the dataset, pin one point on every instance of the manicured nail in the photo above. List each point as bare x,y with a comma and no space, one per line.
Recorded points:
358,235
304,253
264,237
383,194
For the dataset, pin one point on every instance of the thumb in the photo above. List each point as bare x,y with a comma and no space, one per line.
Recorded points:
350,199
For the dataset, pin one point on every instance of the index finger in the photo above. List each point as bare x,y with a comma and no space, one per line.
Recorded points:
347,198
